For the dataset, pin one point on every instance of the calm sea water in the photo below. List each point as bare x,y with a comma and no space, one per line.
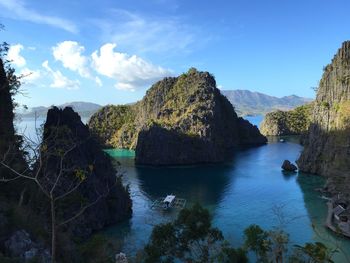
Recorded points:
248,189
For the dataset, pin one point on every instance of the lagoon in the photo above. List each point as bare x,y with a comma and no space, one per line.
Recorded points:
250,188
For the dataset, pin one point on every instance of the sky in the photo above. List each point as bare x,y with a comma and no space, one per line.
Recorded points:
111,52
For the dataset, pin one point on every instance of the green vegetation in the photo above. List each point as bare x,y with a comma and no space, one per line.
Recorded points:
191,238
112,122
343,110
292,122
184,103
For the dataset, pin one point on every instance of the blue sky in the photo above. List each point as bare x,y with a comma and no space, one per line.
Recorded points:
110,51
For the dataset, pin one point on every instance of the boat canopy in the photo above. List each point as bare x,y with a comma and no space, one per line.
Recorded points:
169,199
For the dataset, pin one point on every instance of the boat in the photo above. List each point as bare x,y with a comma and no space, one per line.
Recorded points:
168,202
282,140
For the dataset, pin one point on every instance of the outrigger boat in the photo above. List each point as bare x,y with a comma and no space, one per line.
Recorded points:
170,201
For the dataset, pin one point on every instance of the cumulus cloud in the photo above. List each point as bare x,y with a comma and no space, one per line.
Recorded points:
59,80
15,57
30,76
70,53
130,72
17,9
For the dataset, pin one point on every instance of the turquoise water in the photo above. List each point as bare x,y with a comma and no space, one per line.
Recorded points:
248,189
120,153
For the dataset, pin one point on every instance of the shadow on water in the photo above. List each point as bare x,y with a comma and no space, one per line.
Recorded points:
204,184
245,190
317,210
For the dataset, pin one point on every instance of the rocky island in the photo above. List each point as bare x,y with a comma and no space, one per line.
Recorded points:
292,122
181,120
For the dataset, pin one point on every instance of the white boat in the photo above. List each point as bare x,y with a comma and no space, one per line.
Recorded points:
170,201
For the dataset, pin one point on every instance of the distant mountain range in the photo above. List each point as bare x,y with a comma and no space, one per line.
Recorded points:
245,102
85,109
254,103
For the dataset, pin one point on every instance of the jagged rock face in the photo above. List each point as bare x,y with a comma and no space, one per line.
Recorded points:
327,147
293,122
161,146
88,162
180,121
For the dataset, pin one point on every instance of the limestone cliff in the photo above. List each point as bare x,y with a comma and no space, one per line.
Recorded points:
293,122
180,120
327,147
87,163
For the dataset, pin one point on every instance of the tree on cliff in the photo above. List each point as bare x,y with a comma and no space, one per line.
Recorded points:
70,185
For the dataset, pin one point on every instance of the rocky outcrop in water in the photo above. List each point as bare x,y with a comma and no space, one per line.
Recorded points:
288,166
85,162
293,122
180,120
327,146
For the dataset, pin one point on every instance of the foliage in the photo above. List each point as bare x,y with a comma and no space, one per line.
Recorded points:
108,121
256,239
185,104
98,249
343,110
316,253
191,238
13,79
293,122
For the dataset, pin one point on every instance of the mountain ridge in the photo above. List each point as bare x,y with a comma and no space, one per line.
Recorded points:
248,102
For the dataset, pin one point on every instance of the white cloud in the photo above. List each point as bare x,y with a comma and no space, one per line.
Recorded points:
167,35
59,80
17,9
14,55
130,72
98,81
70,54
30,76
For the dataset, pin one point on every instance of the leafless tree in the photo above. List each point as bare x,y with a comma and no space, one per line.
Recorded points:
51,168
